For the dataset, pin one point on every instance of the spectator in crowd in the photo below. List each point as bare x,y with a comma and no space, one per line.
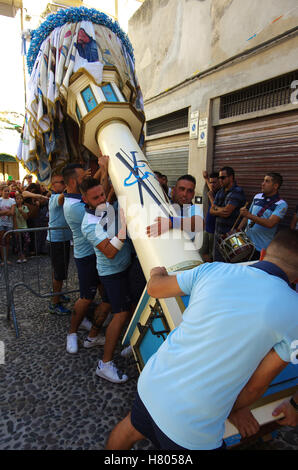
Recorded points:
45,191
264,214
166,185
20,222
2,185
226,206
19,187
36,203
163,181
84,256
42,221
27,181
59,245
189,216
13,190
7,210
294,221
114,261
212,183
223,355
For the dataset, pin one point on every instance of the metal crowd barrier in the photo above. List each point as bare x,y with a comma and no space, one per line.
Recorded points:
10,285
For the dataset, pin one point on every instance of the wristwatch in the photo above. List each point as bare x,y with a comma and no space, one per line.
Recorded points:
294,404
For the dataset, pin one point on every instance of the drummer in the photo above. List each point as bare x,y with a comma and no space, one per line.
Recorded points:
265,213
226,206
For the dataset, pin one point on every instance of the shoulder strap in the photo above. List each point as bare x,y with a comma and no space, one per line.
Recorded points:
275,199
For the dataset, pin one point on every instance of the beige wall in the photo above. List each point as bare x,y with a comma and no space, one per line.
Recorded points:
179,37
175,39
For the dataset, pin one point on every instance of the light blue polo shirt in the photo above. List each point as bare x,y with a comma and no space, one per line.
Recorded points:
57,219
95,234
190,384
74,211
262,236
188,211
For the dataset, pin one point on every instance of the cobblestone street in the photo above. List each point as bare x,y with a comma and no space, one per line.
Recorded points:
51,400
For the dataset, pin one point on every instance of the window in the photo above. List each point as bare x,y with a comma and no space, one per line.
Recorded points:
79,116
169,122
264,95
109,93
89,99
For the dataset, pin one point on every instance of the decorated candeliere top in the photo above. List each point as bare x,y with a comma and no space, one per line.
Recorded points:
73,15
69,43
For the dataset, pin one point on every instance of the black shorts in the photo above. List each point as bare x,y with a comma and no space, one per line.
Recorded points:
144,423
88,276
117,291
124,289
137,280
59,254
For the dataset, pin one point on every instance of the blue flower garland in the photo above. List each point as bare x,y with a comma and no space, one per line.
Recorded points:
73,15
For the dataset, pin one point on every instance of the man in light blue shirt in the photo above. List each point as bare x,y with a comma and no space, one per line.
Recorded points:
85,259
189,217
114,261
264,214
58,244
221,358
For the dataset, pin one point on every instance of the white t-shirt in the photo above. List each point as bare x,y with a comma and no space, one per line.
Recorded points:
6,204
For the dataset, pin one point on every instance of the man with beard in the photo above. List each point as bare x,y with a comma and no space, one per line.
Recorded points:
85,259
122,283
226,206
189,216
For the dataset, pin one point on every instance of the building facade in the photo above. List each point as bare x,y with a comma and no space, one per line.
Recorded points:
220,86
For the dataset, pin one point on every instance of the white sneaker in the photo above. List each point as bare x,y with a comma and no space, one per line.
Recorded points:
86,324
126,352
108,371
72,343
92,342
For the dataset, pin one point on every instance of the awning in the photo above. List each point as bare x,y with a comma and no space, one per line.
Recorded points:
4,157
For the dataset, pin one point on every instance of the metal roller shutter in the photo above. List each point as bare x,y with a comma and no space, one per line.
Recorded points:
169,155
254,147
172,164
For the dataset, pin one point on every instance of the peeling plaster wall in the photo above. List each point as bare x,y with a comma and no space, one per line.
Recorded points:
175,39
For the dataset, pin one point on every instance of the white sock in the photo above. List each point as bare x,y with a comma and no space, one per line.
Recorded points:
105,363
91,339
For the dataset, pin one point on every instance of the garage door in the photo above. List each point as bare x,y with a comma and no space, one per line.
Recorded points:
254,147
169,156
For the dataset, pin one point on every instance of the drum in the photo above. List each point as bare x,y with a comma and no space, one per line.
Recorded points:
236,247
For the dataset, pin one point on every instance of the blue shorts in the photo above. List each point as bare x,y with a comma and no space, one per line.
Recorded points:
143,422
88,276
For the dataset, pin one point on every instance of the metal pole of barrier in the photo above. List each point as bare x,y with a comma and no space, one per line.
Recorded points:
11,289
6,274
38,263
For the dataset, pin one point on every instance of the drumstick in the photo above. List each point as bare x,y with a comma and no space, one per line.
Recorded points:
237,220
